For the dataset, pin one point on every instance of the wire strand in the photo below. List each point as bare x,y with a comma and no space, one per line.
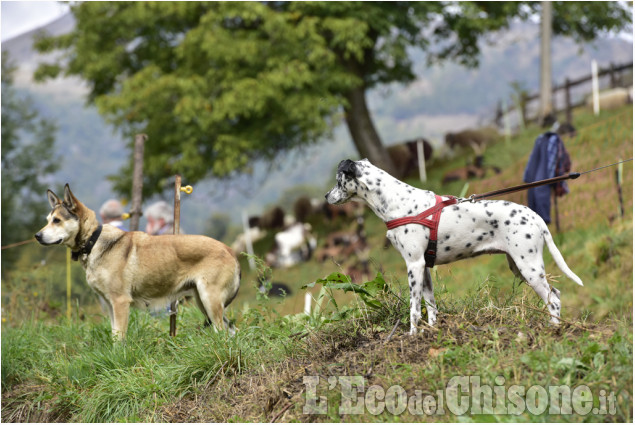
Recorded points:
605,166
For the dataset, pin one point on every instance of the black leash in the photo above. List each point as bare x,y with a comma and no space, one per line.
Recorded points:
570,176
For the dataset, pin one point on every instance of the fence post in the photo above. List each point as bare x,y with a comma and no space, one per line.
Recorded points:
137,182
612,75
507,126
567,100
499,113
596,87
422,161
523,108
618,179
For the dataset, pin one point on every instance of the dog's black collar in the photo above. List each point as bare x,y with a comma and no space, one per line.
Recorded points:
88,246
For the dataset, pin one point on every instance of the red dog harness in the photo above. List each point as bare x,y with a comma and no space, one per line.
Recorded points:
430,253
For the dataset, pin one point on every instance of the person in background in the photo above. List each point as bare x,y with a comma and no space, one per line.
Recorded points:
111,212
548,159
160,216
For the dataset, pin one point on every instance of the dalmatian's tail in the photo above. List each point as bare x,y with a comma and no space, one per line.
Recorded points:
557,257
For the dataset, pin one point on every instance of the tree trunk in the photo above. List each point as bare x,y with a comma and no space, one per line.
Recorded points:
363,132
137,182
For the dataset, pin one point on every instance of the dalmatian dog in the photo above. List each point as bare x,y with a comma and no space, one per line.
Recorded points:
465,230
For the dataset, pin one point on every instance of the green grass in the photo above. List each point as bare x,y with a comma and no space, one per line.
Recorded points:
84,376
490,324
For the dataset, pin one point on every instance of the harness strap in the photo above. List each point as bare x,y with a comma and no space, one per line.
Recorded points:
430,253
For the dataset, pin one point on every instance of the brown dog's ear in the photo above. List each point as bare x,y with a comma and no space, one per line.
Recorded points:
53,199
69,199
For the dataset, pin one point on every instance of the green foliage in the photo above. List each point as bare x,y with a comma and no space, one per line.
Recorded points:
384,302
214,85
367,291
27,159
585,21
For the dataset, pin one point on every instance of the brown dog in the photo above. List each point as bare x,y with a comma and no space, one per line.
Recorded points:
132,267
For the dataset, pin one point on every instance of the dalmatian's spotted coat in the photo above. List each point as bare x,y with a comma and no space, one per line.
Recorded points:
465,230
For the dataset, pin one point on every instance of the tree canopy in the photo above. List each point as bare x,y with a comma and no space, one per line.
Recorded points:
217,85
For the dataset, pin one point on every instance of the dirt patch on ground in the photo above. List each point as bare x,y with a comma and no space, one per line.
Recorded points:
28,402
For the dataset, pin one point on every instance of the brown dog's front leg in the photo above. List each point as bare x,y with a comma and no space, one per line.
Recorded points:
121,312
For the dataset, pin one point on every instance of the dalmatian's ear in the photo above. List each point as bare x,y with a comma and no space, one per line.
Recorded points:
349,169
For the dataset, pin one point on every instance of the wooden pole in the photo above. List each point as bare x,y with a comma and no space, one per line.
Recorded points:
68,283
177,205
137,182
176,229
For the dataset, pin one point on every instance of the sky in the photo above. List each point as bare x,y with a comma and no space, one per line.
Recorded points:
21,16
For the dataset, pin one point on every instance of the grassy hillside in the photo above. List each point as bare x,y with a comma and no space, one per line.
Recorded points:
490,326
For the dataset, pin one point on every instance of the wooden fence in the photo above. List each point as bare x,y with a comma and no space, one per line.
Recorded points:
567,95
